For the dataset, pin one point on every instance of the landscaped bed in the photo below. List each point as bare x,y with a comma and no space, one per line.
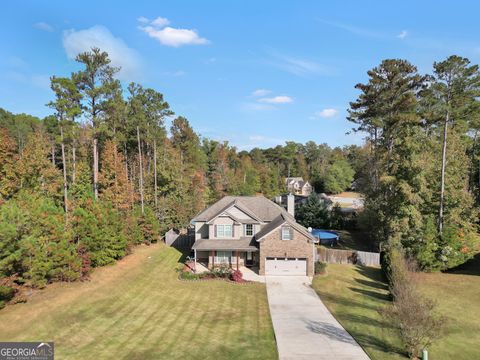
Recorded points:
137,309
354,294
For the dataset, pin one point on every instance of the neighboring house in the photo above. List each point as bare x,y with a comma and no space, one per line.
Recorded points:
297,186
255,232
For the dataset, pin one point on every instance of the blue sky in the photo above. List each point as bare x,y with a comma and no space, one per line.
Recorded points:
255,73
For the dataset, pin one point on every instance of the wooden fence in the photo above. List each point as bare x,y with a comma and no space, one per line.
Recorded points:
335,256
179,241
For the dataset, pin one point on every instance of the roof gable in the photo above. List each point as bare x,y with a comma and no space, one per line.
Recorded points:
257,207
279,221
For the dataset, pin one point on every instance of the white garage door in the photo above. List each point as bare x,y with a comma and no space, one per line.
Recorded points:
281,266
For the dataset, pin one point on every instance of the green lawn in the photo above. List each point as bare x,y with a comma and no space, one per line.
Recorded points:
354,294
138,309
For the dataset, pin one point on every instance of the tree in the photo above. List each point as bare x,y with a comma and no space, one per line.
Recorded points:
339,177
67,108
387,110
314,213
114,185
96,83
451,96
8,158
34,170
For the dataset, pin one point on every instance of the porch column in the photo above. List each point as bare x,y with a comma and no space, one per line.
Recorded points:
237,258
212,253
195,260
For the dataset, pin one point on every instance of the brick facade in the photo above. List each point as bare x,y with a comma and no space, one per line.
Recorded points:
299,247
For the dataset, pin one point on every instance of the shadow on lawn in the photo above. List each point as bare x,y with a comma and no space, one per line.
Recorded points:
471,267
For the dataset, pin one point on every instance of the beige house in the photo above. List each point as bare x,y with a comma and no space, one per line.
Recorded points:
297,186
255,232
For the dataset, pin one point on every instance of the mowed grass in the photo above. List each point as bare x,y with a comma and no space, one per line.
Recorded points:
138,309
354,295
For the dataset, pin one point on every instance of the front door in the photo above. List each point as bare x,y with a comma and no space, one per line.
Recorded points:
249,259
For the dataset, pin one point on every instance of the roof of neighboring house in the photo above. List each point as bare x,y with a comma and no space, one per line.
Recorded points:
289,179
256,206
280,220
245,243
299,180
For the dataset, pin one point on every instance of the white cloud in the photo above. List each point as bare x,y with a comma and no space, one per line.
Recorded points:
261,92
356,30
143,20
160,22
43,26
119,53
175,37
298,66
326,113
169,36
281,99
403,34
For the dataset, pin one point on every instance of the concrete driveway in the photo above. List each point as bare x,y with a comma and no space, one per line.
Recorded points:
304,328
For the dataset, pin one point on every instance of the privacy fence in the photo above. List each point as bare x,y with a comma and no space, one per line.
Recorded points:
179,241
335,256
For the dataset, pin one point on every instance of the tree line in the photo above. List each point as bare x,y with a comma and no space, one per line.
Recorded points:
421,176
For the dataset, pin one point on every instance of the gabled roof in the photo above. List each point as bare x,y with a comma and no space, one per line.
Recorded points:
244,243
279,221
259,207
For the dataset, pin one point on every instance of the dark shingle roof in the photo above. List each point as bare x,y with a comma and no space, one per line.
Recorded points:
264,209
245,243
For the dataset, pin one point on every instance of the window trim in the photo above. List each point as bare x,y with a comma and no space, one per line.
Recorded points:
286,230
223,232
245,229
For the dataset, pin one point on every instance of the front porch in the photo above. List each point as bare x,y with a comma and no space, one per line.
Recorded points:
233,253
234,259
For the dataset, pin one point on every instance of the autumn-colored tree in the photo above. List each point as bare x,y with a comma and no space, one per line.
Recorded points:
114,185
34,169
8,158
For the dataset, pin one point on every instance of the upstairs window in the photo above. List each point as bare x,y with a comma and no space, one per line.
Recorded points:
223,231
287,233
248,229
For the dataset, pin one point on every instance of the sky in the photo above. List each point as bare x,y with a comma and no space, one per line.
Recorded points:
254,73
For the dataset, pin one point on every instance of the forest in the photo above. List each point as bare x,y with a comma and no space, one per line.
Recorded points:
103,173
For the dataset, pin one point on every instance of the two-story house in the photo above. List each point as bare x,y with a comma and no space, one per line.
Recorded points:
255,232
297,186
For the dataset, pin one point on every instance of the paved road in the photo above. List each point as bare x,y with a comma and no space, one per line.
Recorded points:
304,328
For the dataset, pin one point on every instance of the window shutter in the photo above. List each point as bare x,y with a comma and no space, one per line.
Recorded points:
233,230
215,230
281,228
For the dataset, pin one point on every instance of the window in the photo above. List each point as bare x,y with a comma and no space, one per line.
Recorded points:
224,231
248,229
286,233
223,257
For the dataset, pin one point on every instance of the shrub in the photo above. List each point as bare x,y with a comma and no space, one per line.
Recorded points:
237,276
187,275
6,294
320,267
410,312
222,271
